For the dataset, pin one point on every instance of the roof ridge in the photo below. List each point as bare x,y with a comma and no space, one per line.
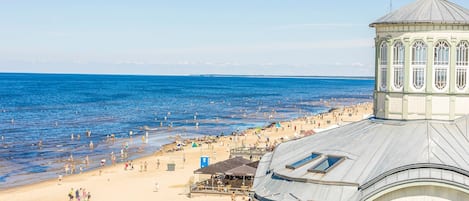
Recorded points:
427,11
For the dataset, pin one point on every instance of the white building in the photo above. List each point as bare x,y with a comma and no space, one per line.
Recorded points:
422,62
417,147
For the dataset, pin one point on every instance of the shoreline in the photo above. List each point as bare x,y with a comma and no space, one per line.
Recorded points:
289,130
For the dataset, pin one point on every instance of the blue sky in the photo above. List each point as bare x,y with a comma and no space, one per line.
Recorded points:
251,37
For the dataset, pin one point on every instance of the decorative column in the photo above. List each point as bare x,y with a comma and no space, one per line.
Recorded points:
378,76
406,87
388,79
429,78
452,78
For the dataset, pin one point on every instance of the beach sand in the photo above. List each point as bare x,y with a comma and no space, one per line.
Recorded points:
114,183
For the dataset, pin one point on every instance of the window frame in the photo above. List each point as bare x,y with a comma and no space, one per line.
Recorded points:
418,65
462,65
441,65
290,166
341,159
398,66
383,65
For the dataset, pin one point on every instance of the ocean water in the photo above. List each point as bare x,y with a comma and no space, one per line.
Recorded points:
50,108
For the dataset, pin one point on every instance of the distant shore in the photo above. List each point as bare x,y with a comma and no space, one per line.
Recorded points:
112,182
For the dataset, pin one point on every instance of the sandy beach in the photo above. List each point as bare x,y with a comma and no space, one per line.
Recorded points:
113,182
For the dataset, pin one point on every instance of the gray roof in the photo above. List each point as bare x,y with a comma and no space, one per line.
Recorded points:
223,166
244,170
374,151
427,11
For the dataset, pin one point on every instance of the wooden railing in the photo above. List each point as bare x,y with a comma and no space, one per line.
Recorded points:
220,189
248,152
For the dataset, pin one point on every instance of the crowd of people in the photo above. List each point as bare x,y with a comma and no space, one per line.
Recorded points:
79,194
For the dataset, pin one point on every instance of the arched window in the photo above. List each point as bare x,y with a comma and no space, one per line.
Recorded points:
441,65
419,61
398,65
462,65
383,65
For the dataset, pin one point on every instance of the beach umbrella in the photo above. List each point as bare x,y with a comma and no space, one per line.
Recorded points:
277,125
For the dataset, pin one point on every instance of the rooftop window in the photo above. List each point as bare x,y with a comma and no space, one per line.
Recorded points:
326,164
303,161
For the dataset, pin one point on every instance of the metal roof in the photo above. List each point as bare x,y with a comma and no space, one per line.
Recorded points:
374,150
427,11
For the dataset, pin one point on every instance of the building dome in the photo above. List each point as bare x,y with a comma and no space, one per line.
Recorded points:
376,159
427,11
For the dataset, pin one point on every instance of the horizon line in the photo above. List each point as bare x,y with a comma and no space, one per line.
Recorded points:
197,75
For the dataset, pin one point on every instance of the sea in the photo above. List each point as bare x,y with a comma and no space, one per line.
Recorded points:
39,114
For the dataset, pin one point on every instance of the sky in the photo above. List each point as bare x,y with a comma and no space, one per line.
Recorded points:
181,37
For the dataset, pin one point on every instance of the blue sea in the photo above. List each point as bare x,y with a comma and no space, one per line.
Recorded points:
53,107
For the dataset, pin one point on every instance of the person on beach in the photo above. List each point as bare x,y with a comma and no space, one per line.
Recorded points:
145,166
70,195
66,168
77,194
233,196
158,164
60,179
157,187
87,161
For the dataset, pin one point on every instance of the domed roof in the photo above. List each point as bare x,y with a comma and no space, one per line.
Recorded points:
427,11
377,154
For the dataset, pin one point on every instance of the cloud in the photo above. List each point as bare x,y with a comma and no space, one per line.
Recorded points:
267,47
318,26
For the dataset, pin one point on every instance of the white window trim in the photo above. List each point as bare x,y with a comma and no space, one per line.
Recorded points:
442,67
385,77
394,87
395,64
456,78
464,66
383,66
446,68
422,66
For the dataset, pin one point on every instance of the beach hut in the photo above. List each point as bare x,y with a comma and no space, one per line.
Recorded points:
243,171
219,170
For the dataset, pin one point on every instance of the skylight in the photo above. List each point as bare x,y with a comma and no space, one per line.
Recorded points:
303,161
326,164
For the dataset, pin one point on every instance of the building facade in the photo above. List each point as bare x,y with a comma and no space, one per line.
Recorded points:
422,62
